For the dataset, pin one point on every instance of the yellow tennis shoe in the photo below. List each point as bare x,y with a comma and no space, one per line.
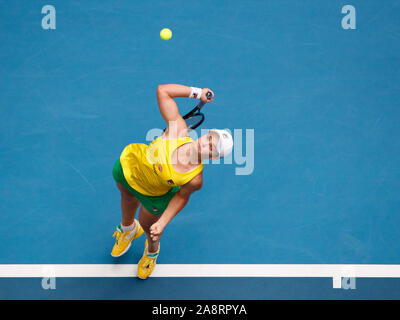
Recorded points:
124,239
147,263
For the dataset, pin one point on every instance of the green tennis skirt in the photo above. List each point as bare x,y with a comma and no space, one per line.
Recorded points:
154,204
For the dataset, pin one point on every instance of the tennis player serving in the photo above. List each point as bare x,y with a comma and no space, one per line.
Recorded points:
161,177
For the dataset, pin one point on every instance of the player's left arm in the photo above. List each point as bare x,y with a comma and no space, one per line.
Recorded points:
165,97
169,109
177,203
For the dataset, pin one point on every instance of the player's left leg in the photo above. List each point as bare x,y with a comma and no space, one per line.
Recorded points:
147,263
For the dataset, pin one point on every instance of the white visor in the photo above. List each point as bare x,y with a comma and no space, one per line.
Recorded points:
225,142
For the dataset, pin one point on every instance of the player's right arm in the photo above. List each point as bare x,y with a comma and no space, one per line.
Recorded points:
177,203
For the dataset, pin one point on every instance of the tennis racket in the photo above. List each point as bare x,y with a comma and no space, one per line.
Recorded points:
195,118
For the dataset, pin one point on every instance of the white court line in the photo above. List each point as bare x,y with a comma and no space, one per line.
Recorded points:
335,271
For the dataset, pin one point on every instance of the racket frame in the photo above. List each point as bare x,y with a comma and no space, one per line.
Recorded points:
196,111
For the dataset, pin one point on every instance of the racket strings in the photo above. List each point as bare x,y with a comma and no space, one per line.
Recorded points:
194,121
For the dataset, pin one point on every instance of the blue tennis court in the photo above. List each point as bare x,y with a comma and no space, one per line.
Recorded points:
310,194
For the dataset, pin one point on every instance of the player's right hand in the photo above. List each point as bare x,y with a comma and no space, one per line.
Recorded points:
203,97
156,231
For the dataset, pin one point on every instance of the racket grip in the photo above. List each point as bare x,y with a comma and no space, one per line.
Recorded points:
201,103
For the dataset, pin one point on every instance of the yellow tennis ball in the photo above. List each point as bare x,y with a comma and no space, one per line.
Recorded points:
166,34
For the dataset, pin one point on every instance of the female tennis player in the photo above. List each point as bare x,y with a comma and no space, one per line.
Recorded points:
161,177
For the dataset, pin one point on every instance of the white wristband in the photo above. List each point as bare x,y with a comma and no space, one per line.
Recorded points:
195,93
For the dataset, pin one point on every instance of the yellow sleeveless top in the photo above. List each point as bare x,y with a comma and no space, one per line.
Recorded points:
148,168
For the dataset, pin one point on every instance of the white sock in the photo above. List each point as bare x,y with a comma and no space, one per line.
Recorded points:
128,228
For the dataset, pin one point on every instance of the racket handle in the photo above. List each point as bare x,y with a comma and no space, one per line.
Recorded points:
201,103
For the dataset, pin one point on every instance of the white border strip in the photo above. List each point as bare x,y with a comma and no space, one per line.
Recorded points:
335,271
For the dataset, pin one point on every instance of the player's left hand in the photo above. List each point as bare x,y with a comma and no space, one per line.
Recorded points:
204,97
156,231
